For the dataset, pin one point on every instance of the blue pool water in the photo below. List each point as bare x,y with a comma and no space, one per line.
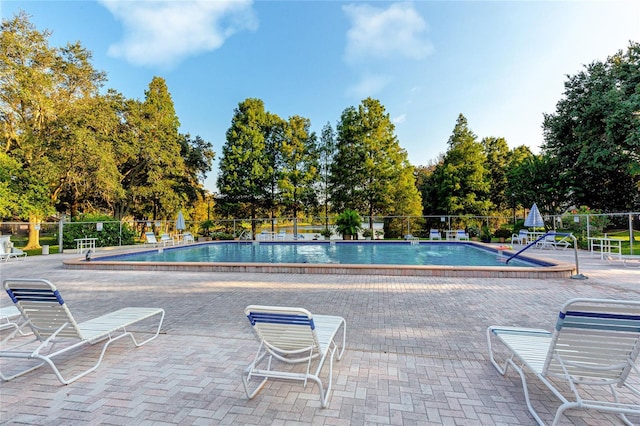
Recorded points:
365,253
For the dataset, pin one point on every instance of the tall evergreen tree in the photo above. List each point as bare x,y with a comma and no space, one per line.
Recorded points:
299,166
150,170
496,152
245,171
370,169
326,150
461,178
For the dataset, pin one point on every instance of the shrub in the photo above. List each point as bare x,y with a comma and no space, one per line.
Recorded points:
348,223
502,233
84,226
326,232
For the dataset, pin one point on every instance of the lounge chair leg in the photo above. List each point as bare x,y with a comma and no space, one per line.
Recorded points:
245,382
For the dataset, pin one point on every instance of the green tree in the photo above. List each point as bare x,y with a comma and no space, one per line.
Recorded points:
39,84
425,182
326,150
538,179
198,156
370,172
152,155
594,135
274,130
245,171
461,179
299,169
497,153
86,159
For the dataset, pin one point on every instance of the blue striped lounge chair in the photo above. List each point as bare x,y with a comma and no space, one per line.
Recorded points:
165,239
522,237
595,343
434,234
150,239
55,332
293,336
461,235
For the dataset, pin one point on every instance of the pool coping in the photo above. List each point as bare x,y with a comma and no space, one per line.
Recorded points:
557,270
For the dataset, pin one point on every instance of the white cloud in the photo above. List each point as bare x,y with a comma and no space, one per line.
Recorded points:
368,85
400,119
165,32
385,33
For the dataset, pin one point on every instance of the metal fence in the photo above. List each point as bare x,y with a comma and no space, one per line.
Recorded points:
127,232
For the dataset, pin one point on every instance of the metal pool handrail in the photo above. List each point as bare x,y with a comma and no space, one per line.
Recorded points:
578,275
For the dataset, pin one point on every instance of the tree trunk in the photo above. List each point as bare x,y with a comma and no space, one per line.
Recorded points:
34,234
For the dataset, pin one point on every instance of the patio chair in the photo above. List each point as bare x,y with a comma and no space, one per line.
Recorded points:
56,332
187,237
461,235
549,241
166,239
434,234
8,315
150,239
293,336
522,237
595,342
8,252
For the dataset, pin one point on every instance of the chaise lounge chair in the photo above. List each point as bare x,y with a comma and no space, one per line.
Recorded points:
595,342
522,237
56,332
549,241
150,239
8,315
165,239
434,234
7,253
461,235
293,336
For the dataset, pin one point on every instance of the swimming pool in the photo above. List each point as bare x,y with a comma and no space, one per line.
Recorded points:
341,257
337,253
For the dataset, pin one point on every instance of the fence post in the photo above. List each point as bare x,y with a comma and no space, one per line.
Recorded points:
630,234
60,228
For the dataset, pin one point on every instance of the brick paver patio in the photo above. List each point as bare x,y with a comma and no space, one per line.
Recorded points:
416,350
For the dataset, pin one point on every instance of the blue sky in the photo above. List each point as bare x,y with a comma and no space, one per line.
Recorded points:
500,63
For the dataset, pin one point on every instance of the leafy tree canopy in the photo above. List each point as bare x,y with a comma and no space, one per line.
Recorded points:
594,135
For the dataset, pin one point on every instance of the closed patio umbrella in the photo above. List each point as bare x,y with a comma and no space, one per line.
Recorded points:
534,218
180,225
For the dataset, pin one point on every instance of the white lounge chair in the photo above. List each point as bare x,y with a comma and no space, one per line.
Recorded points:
434,234
150,239
461,235
549,241
187,237
8,316
56,332
631,261
7,253
595,342
522,237
293,336
165,239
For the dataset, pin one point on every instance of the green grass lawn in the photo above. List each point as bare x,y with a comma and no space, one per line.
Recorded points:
50,241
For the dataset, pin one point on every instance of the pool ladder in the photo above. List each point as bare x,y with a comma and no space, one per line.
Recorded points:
244,237
578,275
